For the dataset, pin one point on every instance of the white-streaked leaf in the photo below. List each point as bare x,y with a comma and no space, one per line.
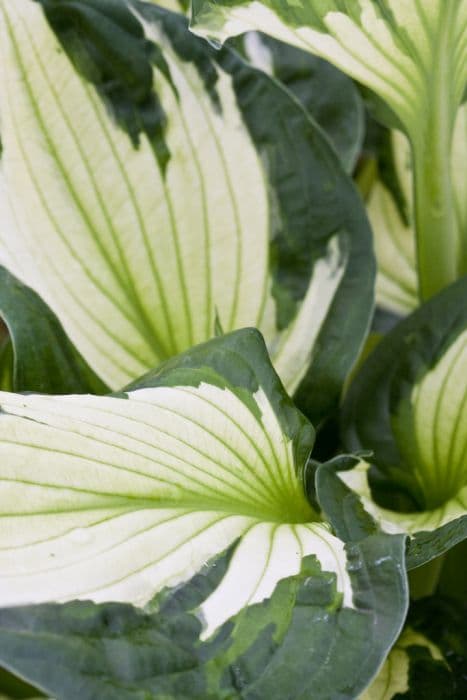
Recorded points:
134,494
454,509
190,484
143,225
412,56
113,498
393,679
408,406
394,237
391,46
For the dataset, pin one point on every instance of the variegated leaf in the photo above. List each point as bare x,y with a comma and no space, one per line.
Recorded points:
394,231
388,45
408,406
122,131
413,57
197,470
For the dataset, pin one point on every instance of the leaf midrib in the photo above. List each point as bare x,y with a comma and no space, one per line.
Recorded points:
131,504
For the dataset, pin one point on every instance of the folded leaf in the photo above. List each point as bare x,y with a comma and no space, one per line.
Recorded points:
428,660
412,56
197,470
394,230
408,405
37,355
388,45
122,131
289,646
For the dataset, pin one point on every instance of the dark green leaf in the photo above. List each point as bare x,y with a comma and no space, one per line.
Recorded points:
328,95
45,361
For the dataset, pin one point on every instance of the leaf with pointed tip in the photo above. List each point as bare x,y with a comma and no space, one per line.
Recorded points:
408,406
121,131
196,470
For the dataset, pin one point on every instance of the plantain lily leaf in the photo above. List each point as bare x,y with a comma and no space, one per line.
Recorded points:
399,678
408,405
391,46
197,470
122,131
394,229
459,156
428,660
412,56
36,354
173,5
327,94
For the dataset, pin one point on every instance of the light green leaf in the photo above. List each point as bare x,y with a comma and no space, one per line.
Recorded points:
391,46
197,469
408,405
122,132
459,157
173,5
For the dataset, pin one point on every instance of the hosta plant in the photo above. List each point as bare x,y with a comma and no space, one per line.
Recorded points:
122,132
412,56
192,482
408,404
188,279
391,211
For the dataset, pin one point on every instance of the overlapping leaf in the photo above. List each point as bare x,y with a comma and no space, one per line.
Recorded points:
122,131
395,681
327,94
408,405
428,660
398,48
36,354
114,498
394,233
394,229
412,56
